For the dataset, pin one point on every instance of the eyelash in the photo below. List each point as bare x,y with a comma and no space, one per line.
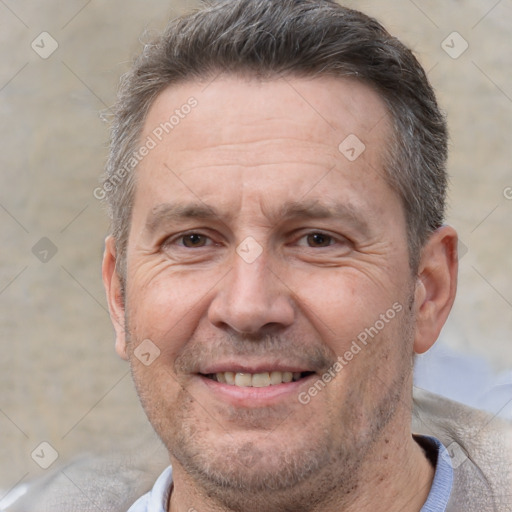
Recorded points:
172,240
180,238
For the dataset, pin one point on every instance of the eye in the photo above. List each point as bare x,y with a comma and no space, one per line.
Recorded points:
192,240
319,240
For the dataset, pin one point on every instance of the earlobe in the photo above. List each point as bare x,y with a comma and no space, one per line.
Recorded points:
113,289
436,286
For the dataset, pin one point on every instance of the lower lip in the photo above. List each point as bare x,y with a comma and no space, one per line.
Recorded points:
256,397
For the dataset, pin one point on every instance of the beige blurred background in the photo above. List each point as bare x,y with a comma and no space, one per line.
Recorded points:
60,379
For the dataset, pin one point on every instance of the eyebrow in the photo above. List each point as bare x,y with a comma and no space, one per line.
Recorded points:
313,209
167,213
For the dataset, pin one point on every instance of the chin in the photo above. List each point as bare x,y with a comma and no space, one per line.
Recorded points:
253,462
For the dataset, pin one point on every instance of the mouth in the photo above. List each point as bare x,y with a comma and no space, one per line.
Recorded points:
255,386
256,380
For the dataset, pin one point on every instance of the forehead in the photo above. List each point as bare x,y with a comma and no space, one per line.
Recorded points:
281,134
234,105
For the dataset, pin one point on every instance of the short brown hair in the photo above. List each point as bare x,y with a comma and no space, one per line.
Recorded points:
305,38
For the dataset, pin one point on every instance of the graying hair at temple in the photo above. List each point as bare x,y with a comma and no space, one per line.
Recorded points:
268,39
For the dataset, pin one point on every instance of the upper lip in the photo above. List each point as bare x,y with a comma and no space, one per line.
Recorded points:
237,367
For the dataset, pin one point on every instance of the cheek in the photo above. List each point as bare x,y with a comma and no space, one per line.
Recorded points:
343,303
167,307
162,396
365,320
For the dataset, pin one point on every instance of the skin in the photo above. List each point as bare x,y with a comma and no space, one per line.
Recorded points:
262,158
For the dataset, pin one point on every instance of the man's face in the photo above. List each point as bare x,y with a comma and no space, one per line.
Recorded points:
259,245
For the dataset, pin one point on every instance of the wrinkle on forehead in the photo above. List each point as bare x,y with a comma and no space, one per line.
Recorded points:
267,149
232,107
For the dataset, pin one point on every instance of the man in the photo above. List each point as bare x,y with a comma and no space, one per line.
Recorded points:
278,255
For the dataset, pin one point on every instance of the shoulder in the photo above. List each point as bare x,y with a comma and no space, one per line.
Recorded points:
108,482
480,448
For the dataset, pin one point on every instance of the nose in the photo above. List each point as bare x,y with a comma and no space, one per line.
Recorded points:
252,299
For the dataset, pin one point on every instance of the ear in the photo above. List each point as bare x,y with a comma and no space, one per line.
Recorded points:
112,283
436,286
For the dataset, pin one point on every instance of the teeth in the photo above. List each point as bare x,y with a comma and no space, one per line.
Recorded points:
276,378
243,380
256,380
287,376
260,380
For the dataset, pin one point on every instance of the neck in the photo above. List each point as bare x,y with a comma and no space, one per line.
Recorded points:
395,475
